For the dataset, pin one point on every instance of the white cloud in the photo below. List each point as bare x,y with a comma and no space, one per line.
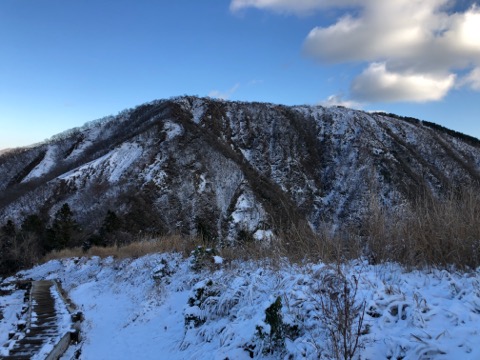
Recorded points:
472,79
414,49
338,100
376,83
290,6
224,95
468,29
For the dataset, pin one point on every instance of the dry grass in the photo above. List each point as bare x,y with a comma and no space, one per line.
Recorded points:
296,246
172,243
299,245
429,232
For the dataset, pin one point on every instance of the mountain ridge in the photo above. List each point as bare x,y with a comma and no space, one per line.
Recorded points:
234,170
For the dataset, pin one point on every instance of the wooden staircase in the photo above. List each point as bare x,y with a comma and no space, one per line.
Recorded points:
42,328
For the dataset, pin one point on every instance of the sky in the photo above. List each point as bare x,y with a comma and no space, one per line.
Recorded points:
66,62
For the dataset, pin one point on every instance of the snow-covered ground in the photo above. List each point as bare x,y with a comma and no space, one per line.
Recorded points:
10,310
158,307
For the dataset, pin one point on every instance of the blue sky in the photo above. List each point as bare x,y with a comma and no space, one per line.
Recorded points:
66,62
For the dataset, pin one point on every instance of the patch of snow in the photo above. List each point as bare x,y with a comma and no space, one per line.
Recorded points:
217,259
122,158
44,166
246,212
91,134
10,310
172,129
88,167
263,235
157,176
198,110
247,154
115,163
64,318
203,183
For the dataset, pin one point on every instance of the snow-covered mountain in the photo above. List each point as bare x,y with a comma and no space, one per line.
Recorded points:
234,169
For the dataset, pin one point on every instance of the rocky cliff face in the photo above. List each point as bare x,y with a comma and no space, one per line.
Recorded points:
232,169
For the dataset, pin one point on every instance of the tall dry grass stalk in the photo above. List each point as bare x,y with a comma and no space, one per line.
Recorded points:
430,231
326,245
298,245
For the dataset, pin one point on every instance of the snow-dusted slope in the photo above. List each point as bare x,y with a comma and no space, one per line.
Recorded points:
234,168
158,307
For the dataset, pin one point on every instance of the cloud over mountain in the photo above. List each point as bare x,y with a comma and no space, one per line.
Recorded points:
413,50
377,83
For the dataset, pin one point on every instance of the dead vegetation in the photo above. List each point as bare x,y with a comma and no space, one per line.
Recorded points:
145,246
428,232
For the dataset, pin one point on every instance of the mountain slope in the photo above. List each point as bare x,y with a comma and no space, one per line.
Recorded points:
234,170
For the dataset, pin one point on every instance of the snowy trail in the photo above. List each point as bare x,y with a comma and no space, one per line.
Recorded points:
157,307
49,321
